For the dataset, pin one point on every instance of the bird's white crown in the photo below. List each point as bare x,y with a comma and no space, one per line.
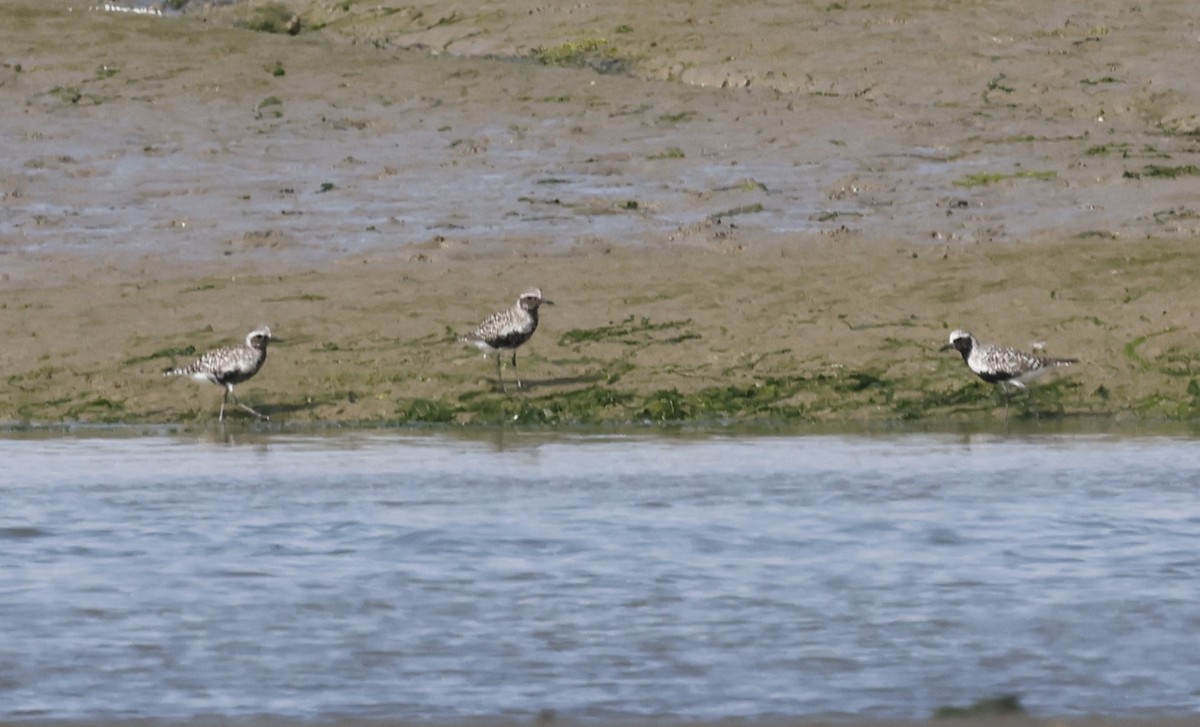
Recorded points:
959,334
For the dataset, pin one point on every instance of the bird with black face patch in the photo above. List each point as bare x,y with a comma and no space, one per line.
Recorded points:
229,366
507,330
1002,365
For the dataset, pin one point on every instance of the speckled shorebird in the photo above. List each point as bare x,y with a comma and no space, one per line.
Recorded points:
229,366
1001,364
506,330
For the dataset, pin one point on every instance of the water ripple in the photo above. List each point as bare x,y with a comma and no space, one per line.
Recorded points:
615,577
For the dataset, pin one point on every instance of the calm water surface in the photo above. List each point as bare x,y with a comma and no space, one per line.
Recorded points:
606,576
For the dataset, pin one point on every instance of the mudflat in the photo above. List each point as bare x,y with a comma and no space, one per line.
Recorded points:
771,213
972,721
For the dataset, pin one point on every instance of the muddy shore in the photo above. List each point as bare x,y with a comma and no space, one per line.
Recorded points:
771,213
972,721
764,216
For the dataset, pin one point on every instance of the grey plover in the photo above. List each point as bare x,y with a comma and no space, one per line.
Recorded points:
1001,364
506,330
229,366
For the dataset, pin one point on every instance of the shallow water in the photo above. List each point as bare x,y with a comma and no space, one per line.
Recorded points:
607,576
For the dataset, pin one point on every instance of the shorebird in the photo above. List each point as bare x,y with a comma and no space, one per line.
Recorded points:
230,365
506,330
1001,364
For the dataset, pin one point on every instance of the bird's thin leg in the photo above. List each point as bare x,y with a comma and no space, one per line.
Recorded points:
221,416
499,374
515,374
242,406
263,417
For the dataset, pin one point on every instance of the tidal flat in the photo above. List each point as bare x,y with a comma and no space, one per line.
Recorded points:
774,235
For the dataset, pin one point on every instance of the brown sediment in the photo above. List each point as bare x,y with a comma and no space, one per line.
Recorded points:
837,721
842,330
996,172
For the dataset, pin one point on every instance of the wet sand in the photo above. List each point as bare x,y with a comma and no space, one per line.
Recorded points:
774,213
985,721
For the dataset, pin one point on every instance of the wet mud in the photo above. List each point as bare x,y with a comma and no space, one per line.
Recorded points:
772,213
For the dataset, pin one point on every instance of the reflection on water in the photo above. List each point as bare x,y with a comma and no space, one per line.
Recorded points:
434,577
